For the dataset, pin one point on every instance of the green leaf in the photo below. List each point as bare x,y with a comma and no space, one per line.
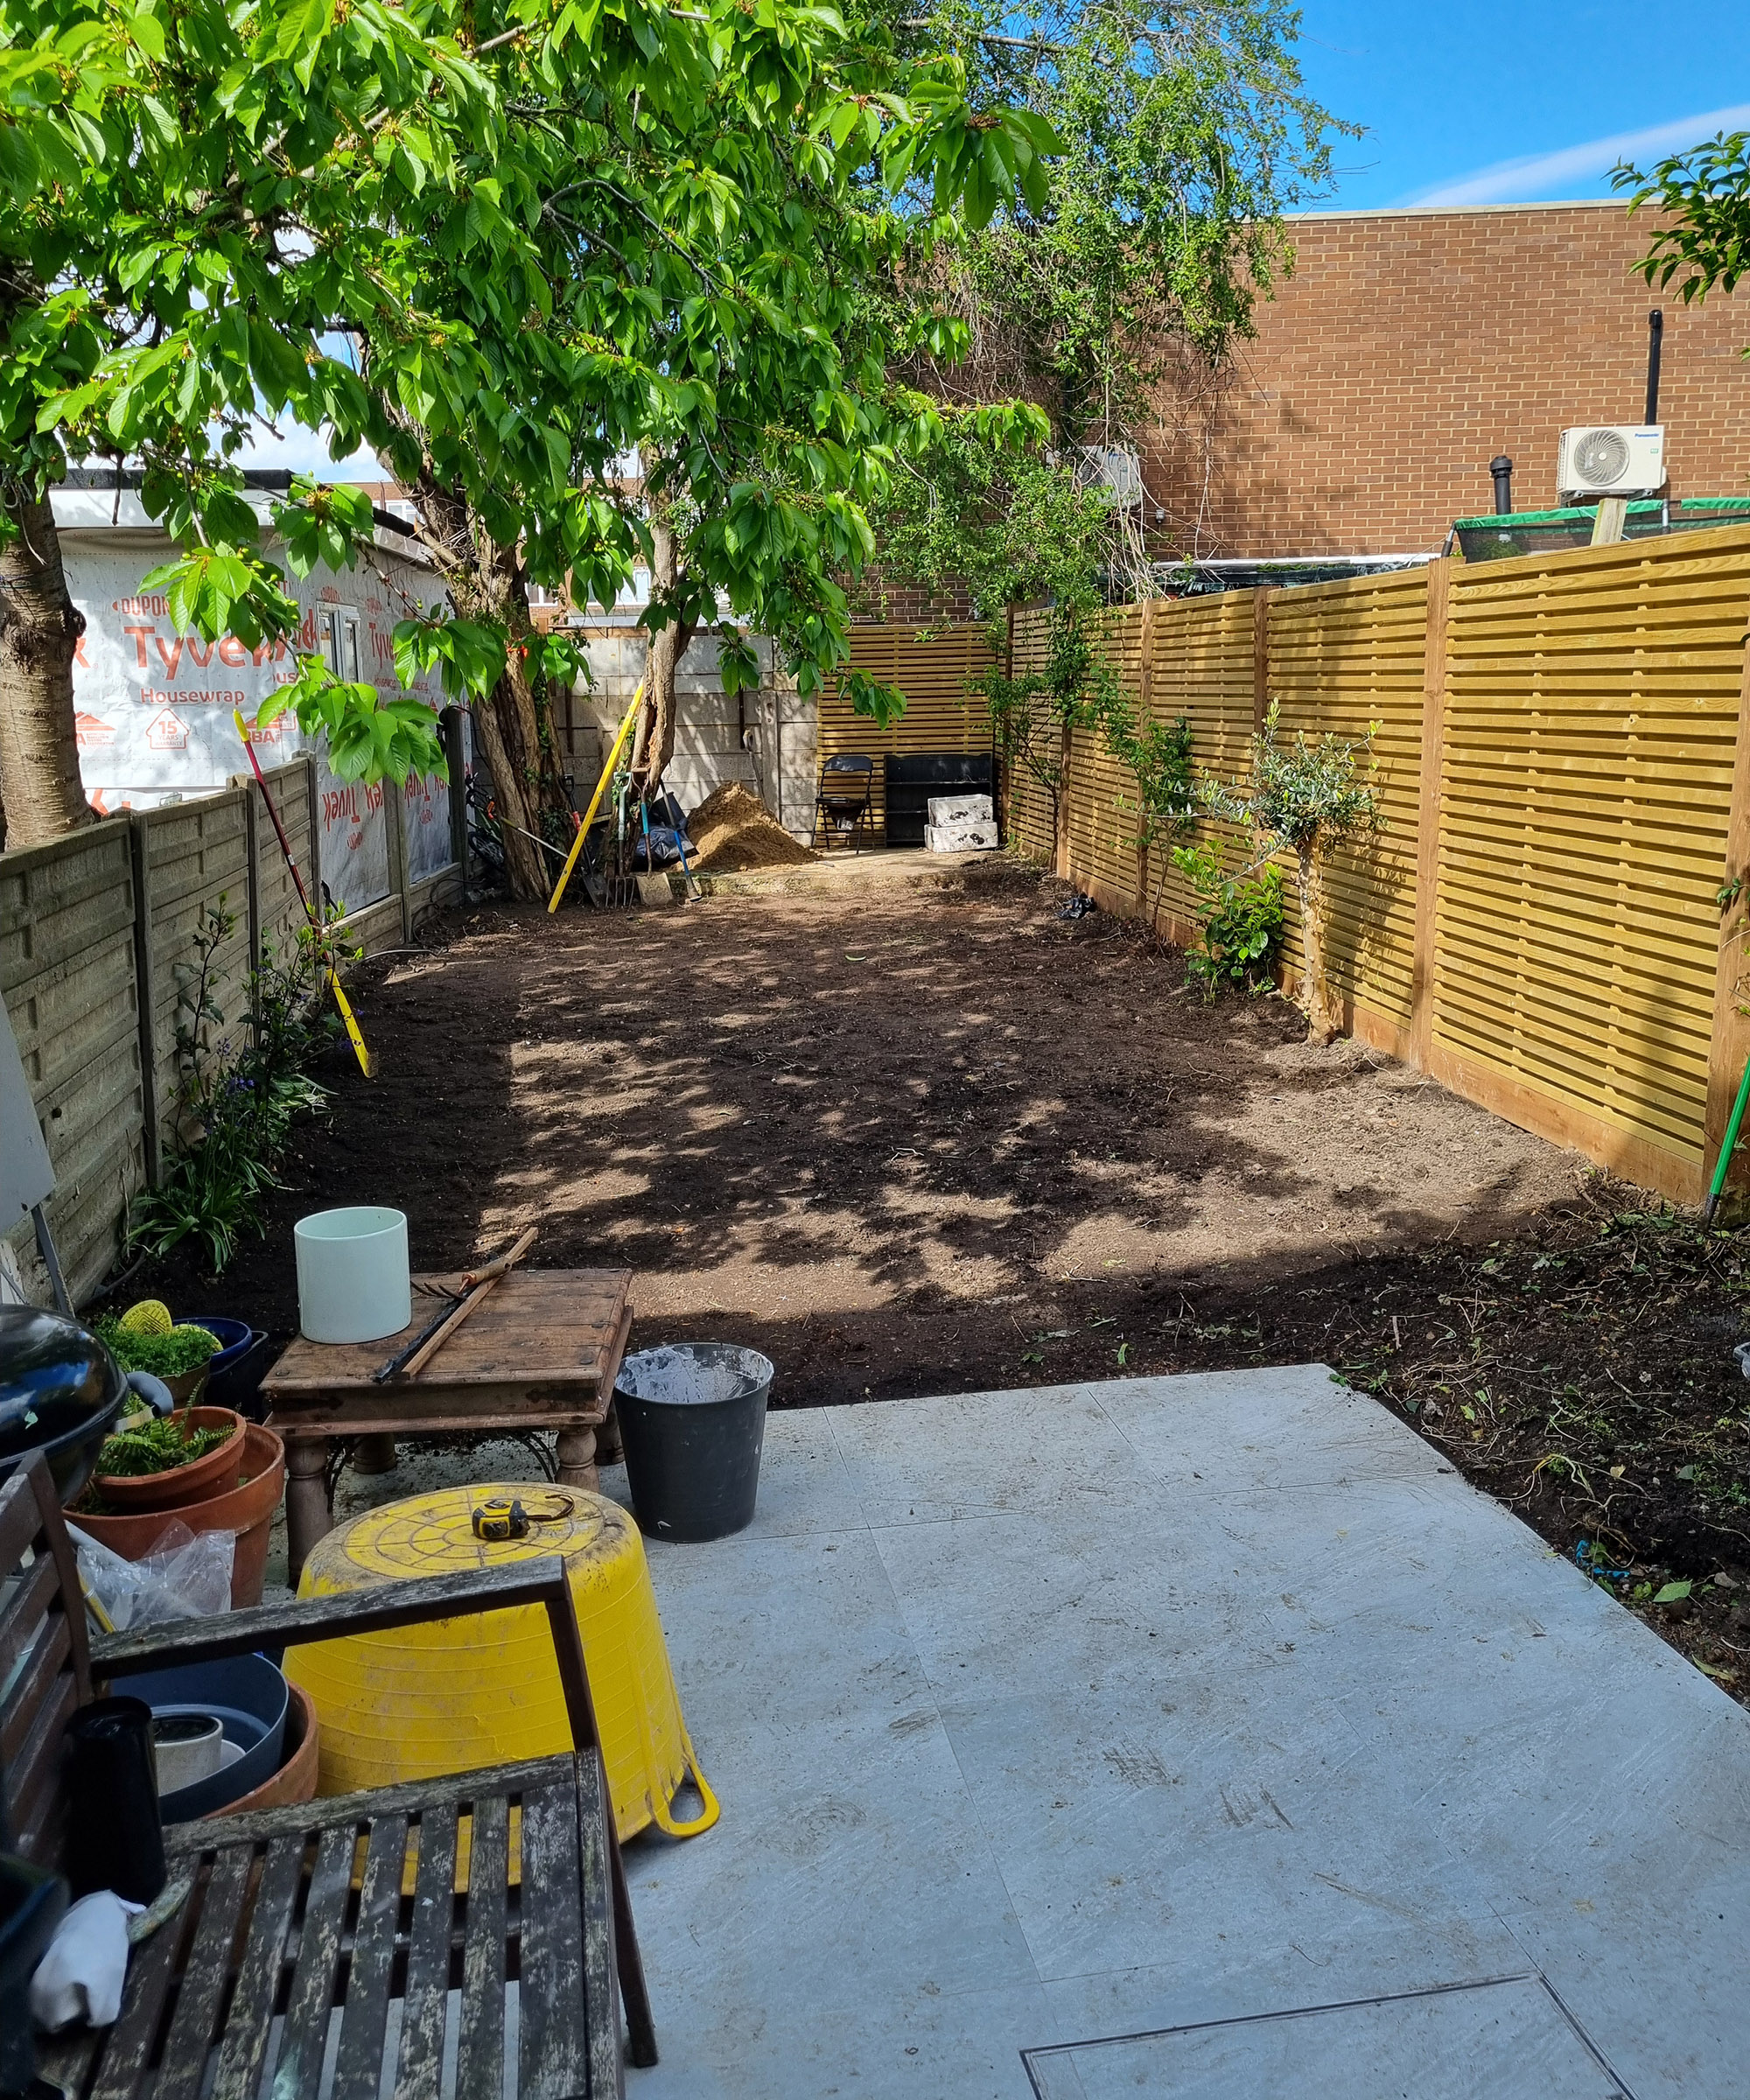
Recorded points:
1673,1592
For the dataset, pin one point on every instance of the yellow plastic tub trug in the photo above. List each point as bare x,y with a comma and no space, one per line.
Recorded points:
459,1694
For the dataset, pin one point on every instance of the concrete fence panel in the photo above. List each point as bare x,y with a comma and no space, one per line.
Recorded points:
68,976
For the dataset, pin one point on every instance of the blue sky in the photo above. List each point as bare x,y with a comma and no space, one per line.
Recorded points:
1506,101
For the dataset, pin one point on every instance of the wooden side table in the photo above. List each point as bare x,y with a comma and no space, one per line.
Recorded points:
543,1352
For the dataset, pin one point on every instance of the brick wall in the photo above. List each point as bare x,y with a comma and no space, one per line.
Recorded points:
879,600
1410,348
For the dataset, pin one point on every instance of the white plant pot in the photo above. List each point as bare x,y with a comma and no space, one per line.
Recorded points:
352,1277
187,1747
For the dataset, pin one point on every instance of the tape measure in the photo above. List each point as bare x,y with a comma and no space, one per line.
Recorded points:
500,1518
504,1516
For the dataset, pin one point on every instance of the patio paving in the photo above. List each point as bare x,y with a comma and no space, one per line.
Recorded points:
1188,1736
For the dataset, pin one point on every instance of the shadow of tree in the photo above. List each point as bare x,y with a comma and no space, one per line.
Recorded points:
906,1142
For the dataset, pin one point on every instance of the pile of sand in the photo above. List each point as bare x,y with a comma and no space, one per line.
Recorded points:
732,831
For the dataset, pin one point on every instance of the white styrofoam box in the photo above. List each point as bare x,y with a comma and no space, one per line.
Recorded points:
960,839
961,808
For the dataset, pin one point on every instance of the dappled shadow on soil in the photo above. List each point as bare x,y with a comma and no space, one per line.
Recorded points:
909,1142
925,1141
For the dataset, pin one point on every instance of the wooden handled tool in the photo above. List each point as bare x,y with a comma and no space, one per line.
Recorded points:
475,1285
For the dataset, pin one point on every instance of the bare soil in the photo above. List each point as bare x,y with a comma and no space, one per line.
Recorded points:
928,1141
733,832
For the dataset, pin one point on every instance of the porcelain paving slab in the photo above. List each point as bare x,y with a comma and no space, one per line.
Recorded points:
1048,1718
1509,2038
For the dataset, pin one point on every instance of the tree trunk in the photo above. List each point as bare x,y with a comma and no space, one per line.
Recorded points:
513,724
654,745
1322,1021
39,630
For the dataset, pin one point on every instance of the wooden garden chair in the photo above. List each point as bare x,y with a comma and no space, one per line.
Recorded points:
294,1911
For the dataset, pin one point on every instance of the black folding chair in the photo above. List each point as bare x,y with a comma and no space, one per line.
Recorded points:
844,799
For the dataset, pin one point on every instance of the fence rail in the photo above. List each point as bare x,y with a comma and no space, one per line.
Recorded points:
96,955
1564,751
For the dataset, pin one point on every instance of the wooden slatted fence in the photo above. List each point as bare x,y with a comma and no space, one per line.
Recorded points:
1564,767
932,668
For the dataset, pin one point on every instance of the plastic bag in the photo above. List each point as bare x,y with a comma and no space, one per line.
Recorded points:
187,1575
81,1976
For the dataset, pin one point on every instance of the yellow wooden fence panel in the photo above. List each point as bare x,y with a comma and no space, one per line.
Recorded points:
1591,725
932,667
1029,819
1102,813
1589,706
1202,669
1343,655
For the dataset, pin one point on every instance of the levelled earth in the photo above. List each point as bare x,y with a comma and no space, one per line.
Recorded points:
916,1141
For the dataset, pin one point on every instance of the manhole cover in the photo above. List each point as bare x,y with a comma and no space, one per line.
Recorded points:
1508,2038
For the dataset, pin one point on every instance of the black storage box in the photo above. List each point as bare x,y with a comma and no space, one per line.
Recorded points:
913,777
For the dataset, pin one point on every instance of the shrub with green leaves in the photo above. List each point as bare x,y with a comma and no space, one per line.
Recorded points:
236,1102
173,1355
1307,795
1239,923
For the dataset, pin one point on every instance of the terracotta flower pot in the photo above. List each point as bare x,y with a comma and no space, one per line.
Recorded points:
247,1509
178,1486
295,1782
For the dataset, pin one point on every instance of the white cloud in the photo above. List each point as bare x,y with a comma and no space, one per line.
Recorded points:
1541,174
306,453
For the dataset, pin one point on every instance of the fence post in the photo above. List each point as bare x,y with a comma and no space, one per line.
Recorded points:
1262,594
313,859
455,760
1145,714
145,983
1060,845
1729,1044
252,888
1431,760
394,820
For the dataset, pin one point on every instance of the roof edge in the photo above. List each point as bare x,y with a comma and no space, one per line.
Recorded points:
1468,211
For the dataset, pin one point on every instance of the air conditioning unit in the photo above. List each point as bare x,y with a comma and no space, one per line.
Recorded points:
1119,471
1612,459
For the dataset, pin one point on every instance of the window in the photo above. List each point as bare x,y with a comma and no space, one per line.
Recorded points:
337,630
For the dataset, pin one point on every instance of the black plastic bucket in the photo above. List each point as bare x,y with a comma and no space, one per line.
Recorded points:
692,1417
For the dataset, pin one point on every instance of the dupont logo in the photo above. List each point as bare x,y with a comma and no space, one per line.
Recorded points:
167,731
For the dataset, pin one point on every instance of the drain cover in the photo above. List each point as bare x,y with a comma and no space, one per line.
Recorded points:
1508,2038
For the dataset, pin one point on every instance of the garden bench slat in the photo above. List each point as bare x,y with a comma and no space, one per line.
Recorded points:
29,1688
204,1975
127,2048
258,1975
552,2037
305,2036
479,2059
426,1997
599,1934
364,2022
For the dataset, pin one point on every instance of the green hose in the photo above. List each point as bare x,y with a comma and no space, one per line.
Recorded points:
1728,1146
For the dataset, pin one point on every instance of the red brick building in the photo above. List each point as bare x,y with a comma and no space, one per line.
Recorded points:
1410,348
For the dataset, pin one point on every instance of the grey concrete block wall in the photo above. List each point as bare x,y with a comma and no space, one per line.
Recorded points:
717,738
96,958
